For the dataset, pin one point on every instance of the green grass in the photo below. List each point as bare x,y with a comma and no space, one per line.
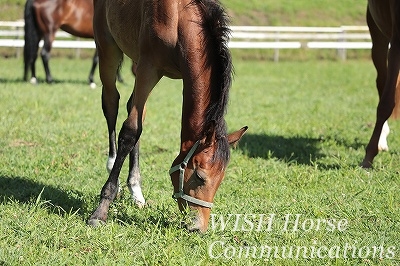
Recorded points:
262,12
308,125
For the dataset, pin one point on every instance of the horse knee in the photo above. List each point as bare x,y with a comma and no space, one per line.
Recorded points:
127,138
385,109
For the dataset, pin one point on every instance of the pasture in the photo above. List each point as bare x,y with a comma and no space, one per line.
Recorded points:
308,125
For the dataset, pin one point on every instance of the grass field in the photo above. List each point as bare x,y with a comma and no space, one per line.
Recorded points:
308,125
262,12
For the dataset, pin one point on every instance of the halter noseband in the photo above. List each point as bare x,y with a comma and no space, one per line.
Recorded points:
181,167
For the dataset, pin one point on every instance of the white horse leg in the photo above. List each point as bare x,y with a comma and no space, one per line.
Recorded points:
110,163
137,195
33,81
134,178
382,145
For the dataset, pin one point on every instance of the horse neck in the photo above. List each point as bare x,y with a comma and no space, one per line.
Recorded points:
196,99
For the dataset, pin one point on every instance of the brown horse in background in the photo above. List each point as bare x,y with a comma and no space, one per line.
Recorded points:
383,18
182,40
42,20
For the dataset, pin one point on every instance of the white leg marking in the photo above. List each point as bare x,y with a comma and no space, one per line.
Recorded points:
110,163
137,195
92,85
382,145
33,80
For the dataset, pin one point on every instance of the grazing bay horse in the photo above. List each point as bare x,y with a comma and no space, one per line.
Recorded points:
181,40
43,18
383,19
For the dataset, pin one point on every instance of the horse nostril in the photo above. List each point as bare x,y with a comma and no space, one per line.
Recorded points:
193,229
192,222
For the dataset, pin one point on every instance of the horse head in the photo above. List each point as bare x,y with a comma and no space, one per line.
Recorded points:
198,176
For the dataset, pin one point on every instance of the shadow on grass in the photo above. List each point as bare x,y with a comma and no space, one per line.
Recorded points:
296,149
289,149
27,191
42,82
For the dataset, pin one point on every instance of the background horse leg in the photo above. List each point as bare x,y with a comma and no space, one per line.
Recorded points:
45,53
379,58
95,61
31,46
386,102
94,65
32,66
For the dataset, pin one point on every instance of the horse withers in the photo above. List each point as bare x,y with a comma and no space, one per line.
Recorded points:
182,40
383,19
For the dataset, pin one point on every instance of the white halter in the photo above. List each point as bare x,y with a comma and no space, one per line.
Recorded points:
181,167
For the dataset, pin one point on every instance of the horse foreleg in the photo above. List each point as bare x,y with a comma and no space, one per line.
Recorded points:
110,102
127,139
134,177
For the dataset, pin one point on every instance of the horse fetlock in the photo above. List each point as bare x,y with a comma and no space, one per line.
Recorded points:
382,144
137,195
33,81
109,192
110,163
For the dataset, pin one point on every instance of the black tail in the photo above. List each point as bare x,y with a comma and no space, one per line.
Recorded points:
32,38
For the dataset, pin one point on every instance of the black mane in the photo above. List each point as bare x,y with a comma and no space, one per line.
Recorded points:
216,32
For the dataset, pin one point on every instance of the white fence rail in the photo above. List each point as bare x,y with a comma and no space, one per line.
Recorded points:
243,37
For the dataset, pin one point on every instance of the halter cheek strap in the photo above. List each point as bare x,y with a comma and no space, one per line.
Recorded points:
181,167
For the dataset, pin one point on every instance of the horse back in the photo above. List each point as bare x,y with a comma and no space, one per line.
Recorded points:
74,17
77,18
150,30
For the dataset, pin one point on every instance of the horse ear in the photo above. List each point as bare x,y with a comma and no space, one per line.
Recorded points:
234,137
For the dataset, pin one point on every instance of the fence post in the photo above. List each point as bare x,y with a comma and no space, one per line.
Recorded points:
342,51
276,51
